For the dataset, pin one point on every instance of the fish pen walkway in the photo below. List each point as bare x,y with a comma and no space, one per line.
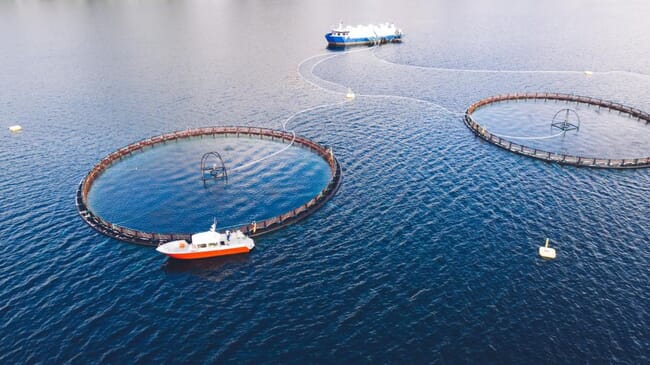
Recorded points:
581,161
253,229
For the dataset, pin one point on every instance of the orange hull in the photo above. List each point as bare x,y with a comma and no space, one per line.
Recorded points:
207,254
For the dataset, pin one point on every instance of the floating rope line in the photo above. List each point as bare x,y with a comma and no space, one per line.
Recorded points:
291,117
386,96
492,71
528,138
145,213
327,56
284,127
501,139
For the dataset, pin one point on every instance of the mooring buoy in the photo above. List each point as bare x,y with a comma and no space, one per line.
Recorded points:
15,128
547,252
589,73
350,95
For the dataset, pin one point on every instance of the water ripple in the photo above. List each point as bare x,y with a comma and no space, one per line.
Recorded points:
427,254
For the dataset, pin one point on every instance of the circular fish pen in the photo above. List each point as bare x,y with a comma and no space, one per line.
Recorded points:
253,229
564,125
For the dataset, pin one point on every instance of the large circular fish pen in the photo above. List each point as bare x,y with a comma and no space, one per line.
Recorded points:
564,121
255,228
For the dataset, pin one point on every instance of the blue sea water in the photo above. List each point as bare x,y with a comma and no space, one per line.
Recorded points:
162,190
428,252
600,132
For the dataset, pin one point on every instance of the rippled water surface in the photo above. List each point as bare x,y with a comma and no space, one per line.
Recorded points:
161,189
596,132
428,252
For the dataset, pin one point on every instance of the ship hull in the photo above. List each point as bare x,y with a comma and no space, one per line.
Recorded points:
208,254
334,41
202,249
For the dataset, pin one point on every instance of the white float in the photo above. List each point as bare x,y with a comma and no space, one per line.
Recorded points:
350,95
547,252
15,128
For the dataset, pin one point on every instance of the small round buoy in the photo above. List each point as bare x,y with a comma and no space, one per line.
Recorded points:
15,128
547,252
350,95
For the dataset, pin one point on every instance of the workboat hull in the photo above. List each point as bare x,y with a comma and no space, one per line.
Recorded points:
208,244
208,254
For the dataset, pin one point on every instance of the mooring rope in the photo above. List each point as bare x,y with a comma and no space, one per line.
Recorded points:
251,163
494,71
284,127
327,56
292,116
439,106
386,96
528,138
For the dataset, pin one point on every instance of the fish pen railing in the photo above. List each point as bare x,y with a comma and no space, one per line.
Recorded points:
253,229
564,159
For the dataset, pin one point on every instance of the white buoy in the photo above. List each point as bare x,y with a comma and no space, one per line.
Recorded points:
589,73
15,128
547,252
350,95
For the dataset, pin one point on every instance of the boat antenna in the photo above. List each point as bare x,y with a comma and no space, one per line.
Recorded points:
214,224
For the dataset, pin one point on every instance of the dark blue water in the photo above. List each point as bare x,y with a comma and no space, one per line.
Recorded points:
426,254
162,190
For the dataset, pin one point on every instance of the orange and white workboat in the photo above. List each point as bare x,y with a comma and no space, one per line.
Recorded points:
208,244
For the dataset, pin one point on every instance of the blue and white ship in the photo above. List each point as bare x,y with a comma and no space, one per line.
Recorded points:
363,35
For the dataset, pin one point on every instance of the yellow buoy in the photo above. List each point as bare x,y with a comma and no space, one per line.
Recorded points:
15,128
589,73
350,95
547,252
